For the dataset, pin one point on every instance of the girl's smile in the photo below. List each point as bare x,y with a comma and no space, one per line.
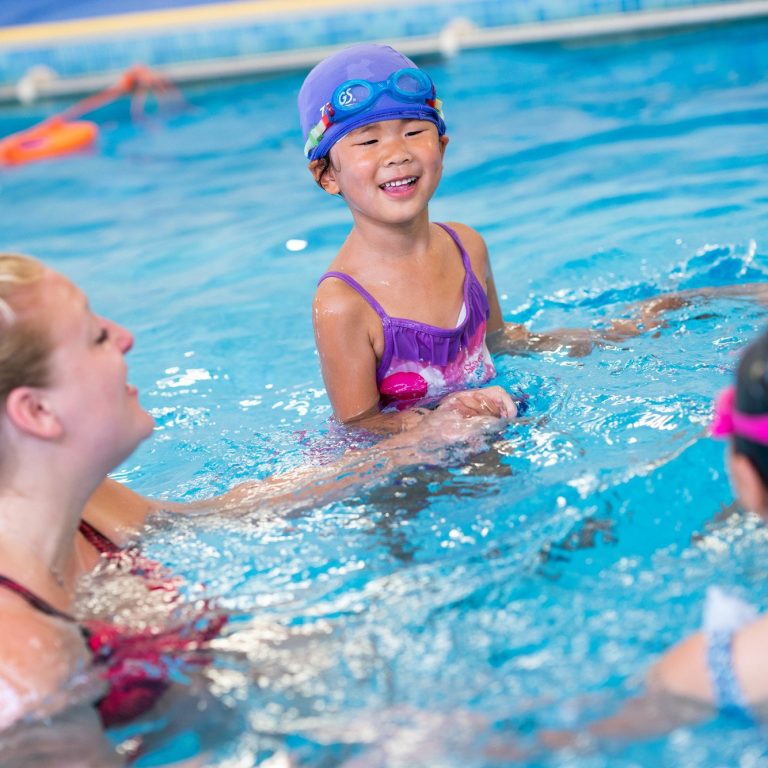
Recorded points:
401,187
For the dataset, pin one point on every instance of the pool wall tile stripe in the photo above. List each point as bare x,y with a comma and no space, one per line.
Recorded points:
229,32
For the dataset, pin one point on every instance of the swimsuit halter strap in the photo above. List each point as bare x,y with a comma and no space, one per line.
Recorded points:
352,283
97,539
36,602
462,250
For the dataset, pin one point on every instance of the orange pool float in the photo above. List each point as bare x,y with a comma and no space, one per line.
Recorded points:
49,139
65,133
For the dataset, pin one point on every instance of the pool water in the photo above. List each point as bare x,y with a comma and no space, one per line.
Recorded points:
446,616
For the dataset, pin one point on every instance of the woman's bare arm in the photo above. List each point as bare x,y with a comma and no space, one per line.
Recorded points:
464,418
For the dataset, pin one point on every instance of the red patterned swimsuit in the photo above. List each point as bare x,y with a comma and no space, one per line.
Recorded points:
136,665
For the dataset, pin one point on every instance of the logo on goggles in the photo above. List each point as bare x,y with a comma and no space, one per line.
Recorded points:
346,98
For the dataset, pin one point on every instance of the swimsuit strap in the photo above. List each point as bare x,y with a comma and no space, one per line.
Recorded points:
352,283
462,250
97,539
36,602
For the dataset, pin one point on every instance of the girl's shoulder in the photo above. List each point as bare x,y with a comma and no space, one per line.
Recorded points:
342,304
464,230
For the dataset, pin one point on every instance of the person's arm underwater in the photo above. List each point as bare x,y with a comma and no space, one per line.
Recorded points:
462,419
646,315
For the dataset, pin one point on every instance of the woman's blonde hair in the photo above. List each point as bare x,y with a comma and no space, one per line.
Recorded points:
25,347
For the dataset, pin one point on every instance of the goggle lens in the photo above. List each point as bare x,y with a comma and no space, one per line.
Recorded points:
353,95
412,82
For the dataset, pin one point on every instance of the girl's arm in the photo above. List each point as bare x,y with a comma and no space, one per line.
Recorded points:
679,691
647,315
515,338
501,337
344,329
346,337
683,670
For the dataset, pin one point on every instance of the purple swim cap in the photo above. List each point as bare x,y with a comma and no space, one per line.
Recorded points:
366,61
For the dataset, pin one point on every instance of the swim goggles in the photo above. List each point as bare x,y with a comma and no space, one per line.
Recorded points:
408,85
729,421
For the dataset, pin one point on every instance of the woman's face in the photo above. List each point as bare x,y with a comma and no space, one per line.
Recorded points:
98,408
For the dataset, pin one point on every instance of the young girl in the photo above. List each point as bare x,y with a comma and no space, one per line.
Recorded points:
405,308
725,664
403,312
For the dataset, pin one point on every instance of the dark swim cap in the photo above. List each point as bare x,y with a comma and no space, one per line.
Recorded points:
366,61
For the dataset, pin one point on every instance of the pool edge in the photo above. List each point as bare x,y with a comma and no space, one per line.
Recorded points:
459,34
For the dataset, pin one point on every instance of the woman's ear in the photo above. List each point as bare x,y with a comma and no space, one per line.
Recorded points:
323,173
30,411
748,484
443,144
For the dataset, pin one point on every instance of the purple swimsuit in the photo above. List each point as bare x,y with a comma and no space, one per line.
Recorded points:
421,360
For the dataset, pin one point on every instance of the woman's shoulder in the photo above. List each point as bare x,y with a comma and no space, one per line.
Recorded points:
118,512
38,656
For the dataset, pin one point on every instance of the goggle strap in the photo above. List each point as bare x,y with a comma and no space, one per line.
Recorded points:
728,420
316,134
437,105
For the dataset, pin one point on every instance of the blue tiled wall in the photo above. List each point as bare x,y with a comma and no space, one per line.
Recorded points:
291,32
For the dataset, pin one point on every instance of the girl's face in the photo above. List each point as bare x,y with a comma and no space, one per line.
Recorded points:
97,408
387,171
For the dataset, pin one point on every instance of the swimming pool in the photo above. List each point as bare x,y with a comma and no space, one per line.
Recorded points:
453,607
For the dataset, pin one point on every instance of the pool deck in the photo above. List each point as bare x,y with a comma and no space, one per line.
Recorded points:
56,49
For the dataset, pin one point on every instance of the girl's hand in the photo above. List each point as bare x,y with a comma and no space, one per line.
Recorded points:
462,422
489,401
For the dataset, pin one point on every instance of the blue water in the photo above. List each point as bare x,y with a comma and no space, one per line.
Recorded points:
442,618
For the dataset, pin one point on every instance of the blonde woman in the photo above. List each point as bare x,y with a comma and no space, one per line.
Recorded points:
68,417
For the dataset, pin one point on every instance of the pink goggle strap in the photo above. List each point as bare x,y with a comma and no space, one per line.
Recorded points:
728,421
